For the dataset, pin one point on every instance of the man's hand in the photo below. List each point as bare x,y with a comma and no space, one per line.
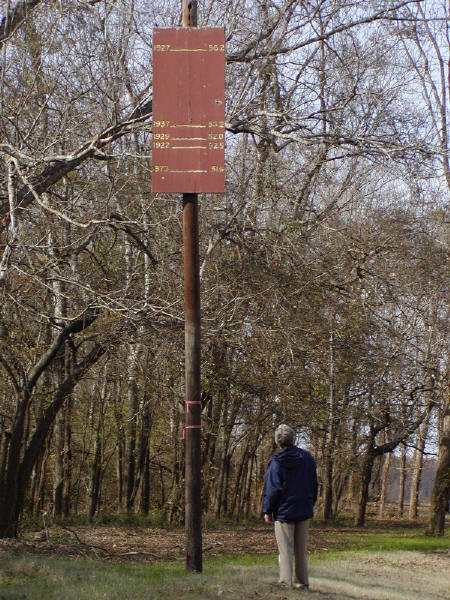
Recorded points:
268,519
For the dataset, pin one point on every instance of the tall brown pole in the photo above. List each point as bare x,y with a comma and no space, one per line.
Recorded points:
193,511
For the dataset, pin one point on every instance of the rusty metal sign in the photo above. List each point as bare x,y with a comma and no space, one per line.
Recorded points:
188,147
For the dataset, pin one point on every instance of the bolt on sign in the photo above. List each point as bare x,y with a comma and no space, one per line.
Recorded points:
188,148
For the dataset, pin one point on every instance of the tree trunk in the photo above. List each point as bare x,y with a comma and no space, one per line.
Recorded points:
352,491
330,441
4,455
440,496
418,466
143,445
59,373
40,503
96,472
249,486
144,503
67,490
384,484
10,494
59,465
95,478
220,492
402,484
228,419
35,482
19,471
131,441
238,486
120,452
366,476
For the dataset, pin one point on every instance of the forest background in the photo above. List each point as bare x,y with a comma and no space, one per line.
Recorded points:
323,268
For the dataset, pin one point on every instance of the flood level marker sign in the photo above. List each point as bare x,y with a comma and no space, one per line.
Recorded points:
188,147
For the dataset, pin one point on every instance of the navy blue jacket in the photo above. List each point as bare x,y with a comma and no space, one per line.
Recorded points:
290,489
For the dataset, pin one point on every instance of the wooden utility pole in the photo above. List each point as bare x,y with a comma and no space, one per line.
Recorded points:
188,151
193,510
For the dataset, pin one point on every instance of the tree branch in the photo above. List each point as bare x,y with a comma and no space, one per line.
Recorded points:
15,17
86,319
62,165
403,435
9,370
116,219
246,55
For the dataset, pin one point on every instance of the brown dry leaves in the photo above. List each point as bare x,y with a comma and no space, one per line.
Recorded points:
144,544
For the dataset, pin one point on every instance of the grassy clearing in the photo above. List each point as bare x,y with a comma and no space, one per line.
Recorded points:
365,567
39,578
389,540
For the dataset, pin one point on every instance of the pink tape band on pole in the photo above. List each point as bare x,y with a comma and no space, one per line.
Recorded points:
190,427
189,402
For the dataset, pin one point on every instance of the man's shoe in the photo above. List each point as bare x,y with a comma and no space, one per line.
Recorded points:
300,586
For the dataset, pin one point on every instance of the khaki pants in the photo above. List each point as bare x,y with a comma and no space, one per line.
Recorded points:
291,539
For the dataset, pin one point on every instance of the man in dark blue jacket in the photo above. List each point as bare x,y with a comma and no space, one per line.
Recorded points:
290,493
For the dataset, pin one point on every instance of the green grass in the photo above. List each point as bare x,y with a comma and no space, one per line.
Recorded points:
45,578
389,540
50,577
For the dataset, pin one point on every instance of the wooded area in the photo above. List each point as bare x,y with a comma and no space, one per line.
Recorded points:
324,270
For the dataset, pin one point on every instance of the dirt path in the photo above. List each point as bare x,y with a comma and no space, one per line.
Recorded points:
384,576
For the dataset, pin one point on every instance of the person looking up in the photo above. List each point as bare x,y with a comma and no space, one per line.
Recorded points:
290,492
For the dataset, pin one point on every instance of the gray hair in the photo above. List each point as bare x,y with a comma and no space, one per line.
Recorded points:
284,436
